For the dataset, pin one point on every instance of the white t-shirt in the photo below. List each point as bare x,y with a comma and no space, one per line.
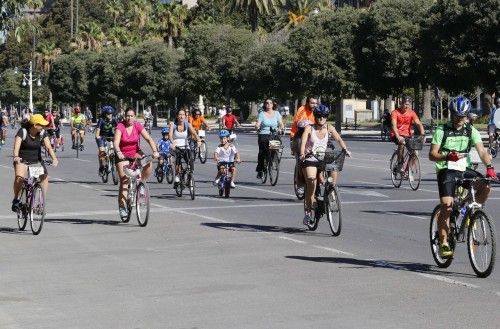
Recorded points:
226,155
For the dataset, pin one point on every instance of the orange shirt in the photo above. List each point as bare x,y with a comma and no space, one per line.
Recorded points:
404,122
303,113
197,123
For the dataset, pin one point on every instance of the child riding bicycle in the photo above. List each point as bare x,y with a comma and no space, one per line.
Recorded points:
226,154
163,146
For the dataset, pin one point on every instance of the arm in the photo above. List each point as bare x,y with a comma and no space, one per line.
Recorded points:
237,157
216,156
116,143
434,154
420,125
281,126
305,137
171,136
151,142
17,147
195,134
333,132
483,154
236,121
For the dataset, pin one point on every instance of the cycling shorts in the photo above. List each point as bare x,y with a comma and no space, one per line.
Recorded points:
446,180
492,129
309,163
79,126
165,155
223,163
182,153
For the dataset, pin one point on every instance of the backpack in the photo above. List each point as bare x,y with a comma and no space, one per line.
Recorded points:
466,132
25,134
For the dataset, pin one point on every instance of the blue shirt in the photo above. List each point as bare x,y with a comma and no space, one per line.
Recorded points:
267,123
106,128
491,120
163,145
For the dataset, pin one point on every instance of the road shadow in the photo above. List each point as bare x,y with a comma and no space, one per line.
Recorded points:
393,212
82,221
353,263
366,187
262,228
16,231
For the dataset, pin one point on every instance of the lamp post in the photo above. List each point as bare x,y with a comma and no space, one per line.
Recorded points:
28,80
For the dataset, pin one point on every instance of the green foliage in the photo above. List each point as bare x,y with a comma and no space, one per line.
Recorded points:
68,79
213,58
11,89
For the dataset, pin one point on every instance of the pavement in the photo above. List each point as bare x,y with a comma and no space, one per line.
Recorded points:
242,262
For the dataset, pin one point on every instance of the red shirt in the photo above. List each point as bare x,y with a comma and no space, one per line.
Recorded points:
50,118
229,120
404,122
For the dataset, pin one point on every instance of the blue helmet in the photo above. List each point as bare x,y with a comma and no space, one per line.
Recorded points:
460,106
223,133
165,130
107,109
321,111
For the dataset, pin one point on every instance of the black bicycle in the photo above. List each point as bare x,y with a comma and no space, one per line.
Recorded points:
468,221
272,159
186,176
109,167
327,195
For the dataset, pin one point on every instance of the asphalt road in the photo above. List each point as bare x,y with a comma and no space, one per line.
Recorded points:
243,262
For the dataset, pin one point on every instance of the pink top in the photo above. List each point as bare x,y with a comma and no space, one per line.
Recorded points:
129,143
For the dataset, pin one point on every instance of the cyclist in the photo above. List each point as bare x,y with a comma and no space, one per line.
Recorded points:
126,142
148,117
28,148
88,117
303,118
268,119
105,129
226,154
180,131
57,125
4,121
77,123
451,144
403,119
197,121
230,121
163,146
492,128
315,138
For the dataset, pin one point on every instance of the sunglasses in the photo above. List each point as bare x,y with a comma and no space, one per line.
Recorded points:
321,116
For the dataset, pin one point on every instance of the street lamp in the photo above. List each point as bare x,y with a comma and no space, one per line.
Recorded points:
28,79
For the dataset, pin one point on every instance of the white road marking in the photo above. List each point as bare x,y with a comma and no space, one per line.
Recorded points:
336,251
83,160
447,280
402,214
360,192
291,239
389,185
267,191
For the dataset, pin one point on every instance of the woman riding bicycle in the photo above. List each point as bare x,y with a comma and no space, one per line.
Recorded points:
267,120
126,143
197,121
28,148
180,130
315,139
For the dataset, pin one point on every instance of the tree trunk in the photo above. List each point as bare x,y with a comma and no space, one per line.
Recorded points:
50,99
427,103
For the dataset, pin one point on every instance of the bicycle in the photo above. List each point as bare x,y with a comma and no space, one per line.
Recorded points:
185,174
224,184
410,167
384,132
272,159
54,144
327,195
166,170
493,147
147,125
109,166
202,150
33,207
467,219
138,191
77,146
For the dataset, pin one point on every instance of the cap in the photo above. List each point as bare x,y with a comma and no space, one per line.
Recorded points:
38,119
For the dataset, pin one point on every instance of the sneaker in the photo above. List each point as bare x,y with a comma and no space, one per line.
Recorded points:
81,147
3,141
216,181
15,205
300,190
445,251
177,179
73,147
307,218
259,175
102,171
233,185
123,212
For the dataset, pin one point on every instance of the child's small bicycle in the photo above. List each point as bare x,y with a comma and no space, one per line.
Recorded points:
224,184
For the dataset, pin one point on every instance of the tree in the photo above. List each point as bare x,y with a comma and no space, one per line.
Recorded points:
68,79
297,10
115,9
90,37
256,8
171,18
9,11
213,58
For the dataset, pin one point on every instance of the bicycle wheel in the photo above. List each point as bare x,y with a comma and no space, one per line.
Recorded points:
191,186
203,151
299,191
159,174
77,144
333,209
142,204
36,208
170,174
263,178
383,134
414,174
434,240
494,148
396,175
104,175
274,168
22,216
481,244
227,187
179,186
114,175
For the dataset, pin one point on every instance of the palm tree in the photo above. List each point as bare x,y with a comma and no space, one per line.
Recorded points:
90,37
139,11
115,9
170,19
45,57
298,10
256,8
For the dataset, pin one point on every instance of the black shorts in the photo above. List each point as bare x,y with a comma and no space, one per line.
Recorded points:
446,180
307,163
222,164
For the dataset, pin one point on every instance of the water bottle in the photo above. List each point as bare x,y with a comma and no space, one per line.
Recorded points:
460,216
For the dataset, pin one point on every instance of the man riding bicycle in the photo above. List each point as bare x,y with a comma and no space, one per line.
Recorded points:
77,123
403,119
450,148
4,121
105,130
230,121
492,128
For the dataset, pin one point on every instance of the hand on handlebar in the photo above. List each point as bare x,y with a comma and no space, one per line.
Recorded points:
490,173
454,156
